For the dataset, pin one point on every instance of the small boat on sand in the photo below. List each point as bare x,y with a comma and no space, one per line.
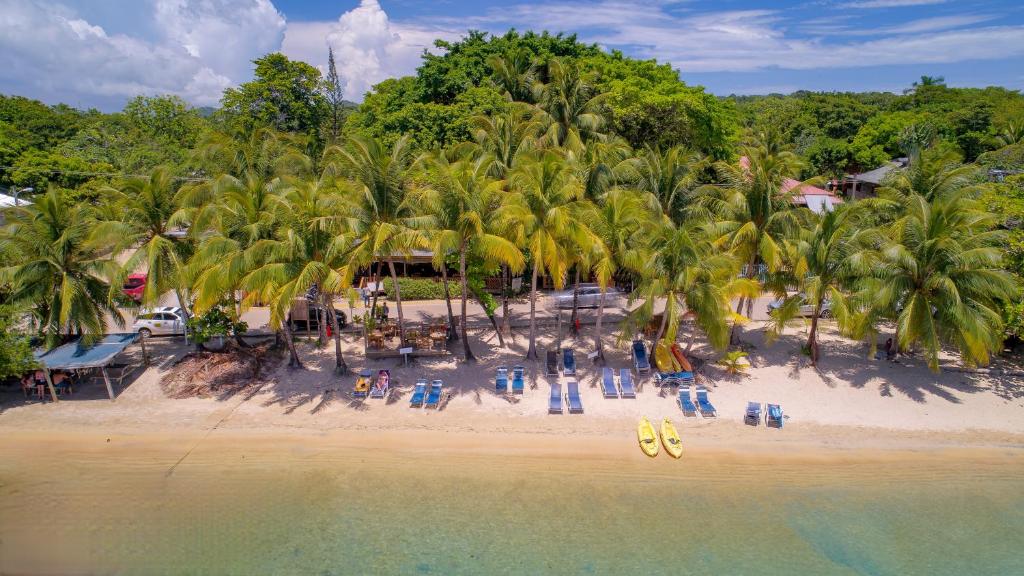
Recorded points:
648,439
670,438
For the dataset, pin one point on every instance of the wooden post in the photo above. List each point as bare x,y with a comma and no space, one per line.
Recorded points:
49,383
106,380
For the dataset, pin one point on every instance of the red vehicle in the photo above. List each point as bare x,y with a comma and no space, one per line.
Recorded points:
134,285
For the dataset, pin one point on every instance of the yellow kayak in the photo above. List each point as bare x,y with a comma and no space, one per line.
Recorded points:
670,438
648,441
666,362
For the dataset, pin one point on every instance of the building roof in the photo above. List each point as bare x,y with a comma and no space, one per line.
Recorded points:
74,355
8,201
878,174
817,199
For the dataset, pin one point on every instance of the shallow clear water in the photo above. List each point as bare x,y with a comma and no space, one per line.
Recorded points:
297,511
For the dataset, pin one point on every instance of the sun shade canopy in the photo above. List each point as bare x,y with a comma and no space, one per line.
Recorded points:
74,355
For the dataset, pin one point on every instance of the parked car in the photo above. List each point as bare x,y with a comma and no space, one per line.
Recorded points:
805,308
133,286
165,320
589,296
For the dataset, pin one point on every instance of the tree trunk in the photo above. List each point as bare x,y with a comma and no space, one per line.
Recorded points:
734,334
494,322
506,287
453,335
340,367
599,359
321,324
531,352
812,339
376,287
398,303
575,301
661,332
293,360
462,320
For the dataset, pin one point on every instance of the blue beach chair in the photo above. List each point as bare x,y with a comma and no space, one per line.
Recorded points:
551,363
640,361
501,380
555,401
434,397
517,379
626,383
608,383
753,414
773,416
685,403
706,407
418,392
568,362
573,398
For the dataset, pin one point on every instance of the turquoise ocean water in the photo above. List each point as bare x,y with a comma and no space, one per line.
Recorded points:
311,514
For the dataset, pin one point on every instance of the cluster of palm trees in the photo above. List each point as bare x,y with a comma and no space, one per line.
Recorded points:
543,188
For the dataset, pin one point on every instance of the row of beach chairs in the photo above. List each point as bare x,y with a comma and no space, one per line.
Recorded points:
703,405
625,389
501,379
568,362
421,396
772,414
572,398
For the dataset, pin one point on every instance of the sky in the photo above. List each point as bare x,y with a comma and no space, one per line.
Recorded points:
100,53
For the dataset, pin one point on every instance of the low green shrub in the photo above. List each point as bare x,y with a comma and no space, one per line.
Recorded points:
421,289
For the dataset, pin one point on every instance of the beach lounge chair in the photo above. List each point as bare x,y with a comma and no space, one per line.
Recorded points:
640,361
753,414
773,415
362,386
418,393
555,401
552,363
608,383
572,398
381,386
501,380
685,403
568,362
517,379
706,408
626,383
434,397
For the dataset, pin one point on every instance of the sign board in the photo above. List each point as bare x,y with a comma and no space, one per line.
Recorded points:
405,350
592,355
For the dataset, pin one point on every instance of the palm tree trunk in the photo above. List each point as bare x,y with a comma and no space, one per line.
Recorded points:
599,360
452,333
398,302
462,319
340,367
734,334
293,361
531,352
506,287
661,332
575,301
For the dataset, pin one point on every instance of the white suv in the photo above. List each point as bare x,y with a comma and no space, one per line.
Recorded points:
163,320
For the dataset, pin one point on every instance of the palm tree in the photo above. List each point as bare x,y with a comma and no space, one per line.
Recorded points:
308,251
460,205
573,110
514,74
543,214
939,272
755,215
822,261
57,273
1011,133
692,277
382,219
668,178
619,223
145,208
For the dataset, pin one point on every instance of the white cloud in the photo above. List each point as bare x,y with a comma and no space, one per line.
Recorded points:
891,3
368,46
192,48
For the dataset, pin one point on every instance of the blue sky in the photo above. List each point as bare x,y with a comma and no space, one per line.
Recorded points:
100,53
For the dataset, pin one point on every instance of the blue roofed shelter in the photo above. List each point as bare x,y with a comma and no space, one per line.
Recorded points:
79,355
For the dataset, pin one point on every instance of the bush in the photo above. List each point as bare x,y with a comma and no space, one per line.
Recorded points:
215,322
421,289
